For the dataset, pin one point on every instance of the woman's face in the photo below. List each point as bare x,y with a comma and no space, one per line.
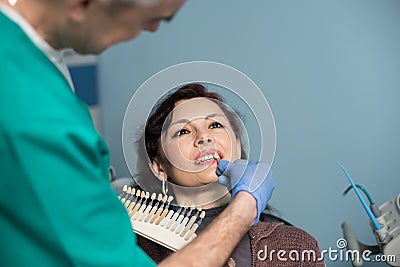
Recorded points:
198,136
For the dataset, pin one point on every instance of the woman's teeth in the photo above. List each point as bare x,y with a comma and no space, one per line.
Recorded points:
208,157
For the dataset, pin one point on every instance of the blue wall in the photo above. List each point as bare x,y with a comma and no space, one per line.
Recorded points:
331,73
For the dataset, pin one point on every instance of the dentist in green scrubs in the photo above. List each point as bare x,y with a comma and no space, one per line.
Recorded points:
56,205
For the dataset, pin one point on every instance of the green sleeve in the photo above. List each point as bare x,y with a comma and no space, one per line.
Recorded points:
56,205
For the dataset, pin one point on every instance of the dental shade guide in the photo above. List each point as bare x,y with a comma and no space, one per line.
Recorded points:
122,196
185,221
134,211
152,218
135,198
148,208
190,223
160,210
154,208
142,206
190,234
130,191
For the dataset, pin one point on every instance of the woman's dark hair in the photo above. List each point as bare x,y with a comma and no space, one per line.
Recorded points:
159,116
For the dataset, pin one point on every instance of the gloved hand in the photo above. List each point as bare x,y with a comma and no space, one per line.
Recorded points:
250,176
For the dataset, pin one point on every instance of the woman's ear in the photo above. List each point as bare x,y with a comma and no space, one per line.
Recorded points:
158,170
239,148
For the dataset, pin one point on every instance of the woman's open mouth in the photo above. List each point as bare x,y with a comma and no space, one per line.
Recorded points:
207,157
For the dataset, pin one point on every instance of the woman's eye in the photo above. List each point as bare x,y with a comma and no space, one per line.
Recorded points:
216,125
182,132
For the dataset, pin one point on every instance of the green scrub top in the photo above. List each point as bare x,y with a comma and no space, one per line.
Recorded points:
56,205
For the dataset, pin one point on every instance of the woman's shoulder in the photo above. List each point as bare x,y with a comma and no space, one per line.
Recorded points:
281,232
271,224
276,242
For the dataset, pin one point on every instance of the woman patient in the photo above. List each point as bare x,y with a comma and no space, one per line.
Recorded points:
185,137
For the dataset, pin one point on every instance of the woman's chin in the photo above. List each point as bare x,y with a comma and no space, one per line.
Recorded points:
211,179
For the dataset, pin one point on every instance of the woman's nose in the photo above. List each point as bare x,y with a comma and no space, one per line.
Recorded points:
204,141
203,138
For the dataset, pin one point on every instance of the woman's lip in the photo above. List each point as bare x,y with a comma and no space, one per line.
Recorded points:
207,152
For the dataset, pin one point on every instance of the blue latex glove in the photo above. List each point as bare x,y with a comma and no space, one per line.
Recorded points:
250,176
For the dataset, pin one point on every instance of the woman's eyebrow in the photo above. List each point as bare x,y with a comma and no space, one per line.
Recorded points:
213,115
180,121
209,116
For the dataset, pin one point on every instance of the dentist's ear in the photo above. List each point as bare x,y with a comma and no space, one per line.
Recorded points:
77,9
158,170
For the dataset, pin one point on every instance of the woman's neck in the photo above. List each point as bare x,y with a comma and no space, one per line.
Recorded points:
218,203
208,196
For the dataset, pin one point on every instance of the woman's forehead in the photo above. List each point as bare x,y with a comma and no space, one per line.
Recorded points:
190,109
